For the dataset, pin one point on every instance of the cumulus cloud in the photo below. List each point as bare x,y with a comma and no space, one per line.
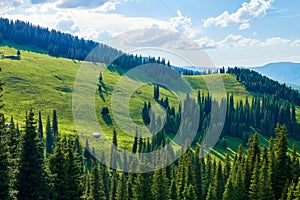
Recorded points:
274,41
296,43
180,23
248,11
7,5
81,3
239,41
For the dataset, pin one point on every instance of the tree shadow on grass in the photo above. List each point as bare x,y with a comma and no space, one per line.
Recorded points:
107,119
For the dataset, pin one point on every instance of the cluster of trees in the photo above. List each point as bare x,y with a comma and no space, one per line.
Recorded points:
71,172
55,42
263,114
257,83
242,118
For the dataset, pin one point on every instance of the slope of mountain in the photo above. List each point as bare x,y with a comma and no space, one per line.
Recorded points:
285,72
45,83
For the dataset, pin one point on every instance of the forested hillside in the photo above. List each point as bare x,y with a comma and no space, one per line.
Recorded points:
43,156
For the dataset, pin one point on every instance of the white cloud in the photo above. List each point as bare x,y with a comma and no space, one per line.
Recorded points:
67,25
296,43
236,41
274,41
8,5
244,26
206,43
248,11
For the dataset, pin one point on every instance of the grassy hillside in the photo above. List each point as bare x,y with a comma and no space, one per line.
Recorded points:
45,83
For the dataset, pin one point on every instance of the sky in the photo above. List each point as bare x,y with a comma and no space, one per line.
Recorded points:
232,33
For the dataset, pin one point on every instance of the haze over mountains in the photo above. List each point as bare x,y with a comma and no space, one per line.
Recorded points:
285,72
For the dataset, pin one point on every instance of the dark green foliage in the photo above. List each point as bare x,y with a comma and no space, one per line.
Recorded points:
4,163
58,173
31,177
54,125
156,92
97,186
255,82
40,127
104,111
281,168
49,138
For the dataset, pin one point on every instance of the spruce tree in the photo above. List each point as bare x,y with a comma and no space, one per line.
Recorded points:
4,163
30,181
49,138
281,168
113,187
40,127
54,125
97,186
254,186
122,188
160,185
74,179
58,173
135,143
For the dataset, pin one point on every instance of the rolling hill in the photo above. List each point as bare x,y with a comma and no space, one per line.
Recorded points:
45,83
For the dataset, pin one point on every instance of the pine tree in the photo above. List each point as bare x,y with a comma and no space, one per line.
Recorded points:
160,184
58,173
49,138
40,127
254,186
142,187
31,177
281,160
4,163
97,186
74,179
54,125
122,188
113,153
113,187
229,191
135,143
265,183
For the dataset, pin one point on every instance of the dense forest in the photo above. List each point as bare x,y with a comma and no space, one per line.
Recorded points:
37,161
255,82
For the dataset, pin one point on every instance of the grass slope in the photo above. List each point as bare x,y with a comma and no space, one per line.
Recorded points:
44,83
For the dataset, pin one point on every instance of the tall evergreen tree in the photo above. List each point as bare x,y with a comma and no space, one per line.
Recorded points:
97,186
31,182
4,164
54,125
40,127
74,179
49,138
122,188
58,173
281,168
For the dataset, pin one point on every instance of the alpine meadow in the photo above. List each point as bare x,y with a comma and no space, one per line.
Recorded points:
99,100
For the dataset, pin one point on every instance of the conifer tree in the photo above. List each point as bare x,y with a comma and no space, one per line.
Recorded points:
4,163
30,181
40,127
54,125
74,179
135,143
121,188
97,186
160,184
113,187
58,173
254,186
49,138
281,167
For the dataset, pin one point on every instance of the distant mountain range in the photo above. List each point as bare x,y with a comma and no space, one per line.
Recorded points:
284,72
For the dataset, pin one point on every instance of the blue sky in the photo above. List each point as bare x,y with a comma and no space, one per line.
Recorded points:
232,33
